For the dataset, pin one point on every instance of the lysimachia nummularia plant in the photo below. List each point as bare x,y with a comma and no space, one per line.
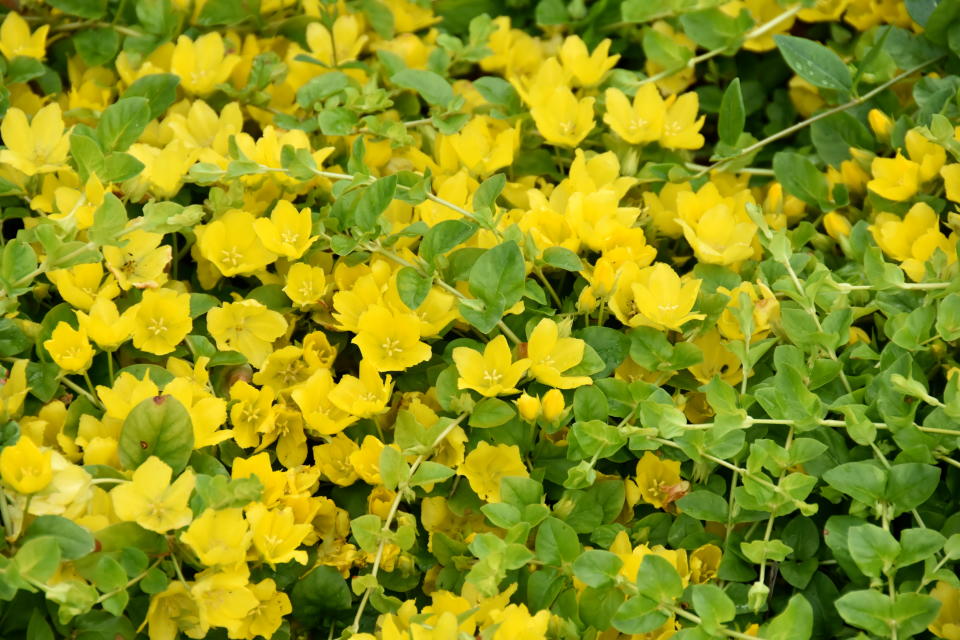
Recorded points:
479,319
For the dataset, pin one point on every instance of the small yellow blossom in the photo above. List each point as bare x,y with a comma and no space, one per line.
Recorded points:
562,119
70,348
287,231
659,480
40,146
141,262
765,310
319,412
162,321
16,39
174,610
151,500
550,355
363,397
25,468
305,284
486,465
655,296
587,69
390,341
895,178
947,623
105,325
639,122
491,373
219,537
276,536
681,127
246,326
202,64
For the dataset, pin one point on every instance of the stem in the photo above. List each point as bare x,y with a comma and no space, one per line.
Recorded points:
5,514
730,633
110,367
756,146
760,30
86,394
394,507
134,580
546,283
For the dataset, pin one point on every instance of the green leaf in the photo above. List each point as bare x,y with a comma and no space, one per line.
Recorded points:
918,544
117,537
499,92
485,197
658,579
794,623
498,275
374,201
704,505
412,287
320,594
562,258
639,615
37,560
910,485
815,63
38,628
367,529
393,468
712,605
91,9
431,86
12,339
862,481
491,412
913,613
109,220
802,179
732,114
759,551
73,540
17,262
97,46
169,217
160,90
227,12
430,472
873,549
158,426
557,543
122,123
322,87
948,317
597,568
221,492
443,237
866,609
941,20
715,29
337,121
119,166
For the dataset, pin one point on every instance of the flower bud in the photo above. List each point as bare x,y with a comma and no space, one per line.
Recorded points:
836,225
529,407
880,123
553,405
757,596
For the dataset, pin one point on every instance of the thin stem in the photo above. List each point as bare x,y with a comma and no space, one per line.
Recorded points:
86,394
692,617
756,146
394,507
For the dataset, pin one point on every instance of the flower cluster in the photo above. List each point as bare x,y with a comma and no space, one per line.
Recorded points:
391,319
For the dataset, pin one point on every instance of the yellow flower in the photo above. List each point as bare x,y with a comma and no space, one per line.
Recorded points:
659,480
529,407
588,69
126,393
219,537
250,414
553,405
82,284
162,320
274,482
718,361
276,536
287,232
550,355
766,310
224,598
141,262
232,244
333,460
895,179
928,154
492,373
947,623
704,562
836,225
363,397
24,467
70,348
366,460
880,123
486,465
39,146
246,326
951,181
342,45
320,414
13,391
16,39
516,623
305,284
390,341
163,169
721,235
201,63
105,325
640,122
174,610
151,501
267,616
897,237
482,146
656,297
562,119
681,127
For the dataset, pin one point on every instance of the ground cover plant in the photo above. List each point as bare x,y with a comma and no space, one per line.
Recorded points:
490,319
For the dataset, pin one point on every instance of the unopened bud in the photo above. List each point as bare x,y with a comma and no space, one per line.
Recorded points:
553,405
529,407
